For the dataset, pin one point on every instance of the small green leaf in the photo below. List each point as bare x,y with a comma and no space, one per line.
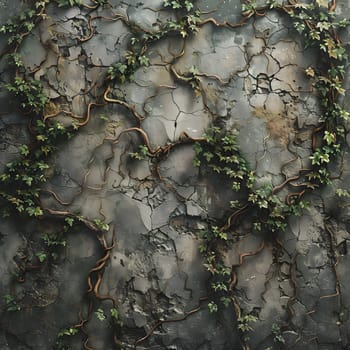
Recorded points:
100,315
212,306
41,256
69,221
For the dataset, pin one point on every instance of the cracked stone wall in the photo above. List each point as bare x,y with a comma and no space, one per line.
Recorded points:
252,80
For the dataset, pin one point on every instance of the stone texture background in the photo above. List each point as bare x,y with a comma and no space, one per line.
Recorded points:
253,80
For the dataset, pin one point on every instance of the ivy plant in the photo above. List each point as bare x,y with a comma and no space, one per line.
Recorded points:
30,94
11,303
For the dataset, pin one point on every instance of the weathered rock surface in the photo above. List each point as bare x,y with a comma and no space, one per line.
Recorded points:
252,79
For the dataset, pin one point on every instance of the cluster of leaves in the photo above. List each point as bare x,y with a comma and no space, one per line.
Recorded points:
30,94
17,28
65,333
141,154
277,334
124,71
244,325
323,155
187,23
251,7
244,322
318,25
220,274
179,4
344,196
102,226
192,78
22,179
211,238
277,337
270,212
11,303
68,332
61,338
114,314
220,152
52,244
320,28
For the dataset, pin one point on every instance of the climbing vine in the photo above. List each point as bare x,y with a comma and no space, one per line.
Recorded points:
267,210
267,207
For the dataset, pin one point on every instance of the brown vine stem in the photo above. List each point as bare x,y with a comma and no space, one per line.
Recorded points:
86,346
179,76
160,322
87,118
122,345
145,138
54,194
91,30
132,109
238,313
335,264
99,266
295,194
71,114
314,135
83,321
233,216
62,111
61,213
226,23
284,183
241,258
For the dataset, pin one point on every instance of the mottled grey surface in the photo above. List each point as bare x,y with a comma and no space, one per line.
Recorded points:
252,79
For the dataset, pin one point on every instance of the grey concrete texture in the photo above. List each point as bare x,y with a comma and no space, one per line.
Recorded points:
253,80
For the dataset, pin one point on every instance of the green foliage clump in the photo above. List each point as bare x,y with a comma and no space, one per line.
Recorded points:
277,334
245,322
11,303
52,242
21,181
270,211
141,154
124,71
18,27
320,29
30,94
179,4
221,154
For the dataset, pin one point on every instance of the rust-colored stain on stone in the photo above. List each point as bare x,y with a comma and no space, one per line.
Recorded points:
277,124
